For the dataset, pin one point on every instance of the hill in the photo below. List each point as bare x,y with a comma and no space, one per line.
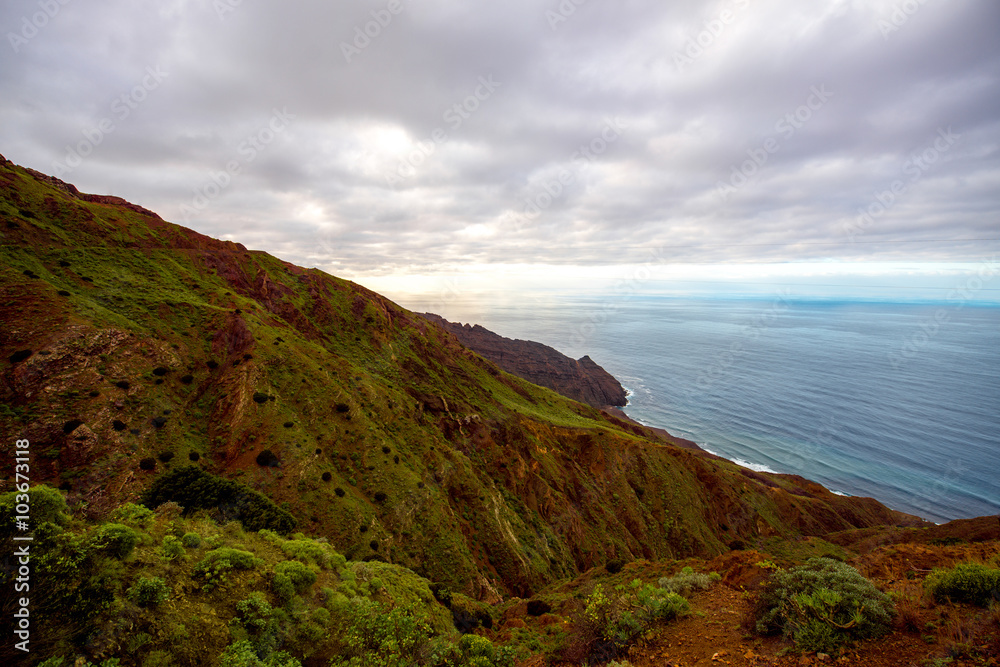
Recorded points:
134,348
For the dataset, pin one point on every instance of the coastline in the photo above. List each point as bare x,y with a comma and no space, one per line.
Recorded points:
904,519
661,433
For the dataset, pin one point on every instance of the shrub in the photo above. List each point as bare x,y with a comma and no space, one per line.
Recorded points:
216,564
686,581
48,505
268,459
339,491
191,540
538,607
165,457
148,463
327,476
821,605
610,623
310,551
194,456
442,594
243,654
132,513
149,592
966,582
115,540
195,489
376,635
260,397
291,577
614,566
480,652
254,613
172,548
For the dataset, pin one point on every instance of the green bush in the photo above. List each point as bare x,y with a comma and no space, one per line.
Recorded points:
236,559
254,613
821,605
195,489
115,540
191,540
149,592
686,581
216,564
612,622
479,651
243,654
47,505
377,636
133,514
967,582
172,548
291,577
306,550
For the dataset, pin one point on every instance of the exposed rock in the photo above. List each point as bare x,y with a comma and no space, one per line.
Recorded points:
582,380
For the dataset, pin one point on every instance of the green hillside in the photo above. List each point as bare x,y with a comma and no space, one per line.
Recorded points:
133,348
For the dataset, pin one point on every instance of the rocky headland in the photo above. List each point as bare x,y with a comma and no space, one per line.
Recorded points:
580,379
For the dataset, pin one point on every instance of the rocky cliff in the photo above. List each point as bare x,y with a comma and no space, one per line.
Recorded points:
580,379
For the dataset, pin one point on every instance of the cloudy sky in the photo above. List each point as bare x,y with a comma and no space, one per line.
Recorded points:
403,143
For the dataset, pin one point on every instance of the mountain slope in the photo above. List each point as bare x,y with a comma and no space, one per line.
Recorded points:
126,337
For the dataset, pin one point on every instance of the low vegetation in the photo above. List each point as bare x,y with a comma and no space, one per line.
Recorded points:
822,605
974,583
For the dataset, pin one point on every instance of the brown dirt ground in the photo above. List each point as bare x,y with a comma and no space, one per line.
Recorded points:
716,632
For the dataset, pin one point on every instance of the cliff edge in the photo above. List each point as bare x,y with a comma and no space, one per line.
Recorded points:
580,379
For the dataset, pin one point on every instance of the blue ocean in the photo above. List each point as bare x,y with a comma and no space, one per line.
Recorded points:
900,402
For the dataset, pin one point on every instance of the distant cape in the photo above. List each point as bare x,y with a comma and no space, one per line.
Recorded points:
580,379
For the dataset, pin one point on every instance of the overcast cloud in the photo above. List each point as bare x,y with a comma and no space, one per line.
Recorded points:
457,134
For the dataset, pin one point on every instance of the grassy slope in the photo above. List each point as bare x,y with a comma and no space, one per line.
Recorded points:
499,486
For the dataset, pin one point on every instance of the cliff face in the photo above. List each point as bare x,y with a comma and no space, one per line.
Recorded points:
580,379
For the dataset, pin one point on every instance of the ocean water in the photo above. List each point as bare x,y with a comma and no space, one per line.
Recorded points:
900,402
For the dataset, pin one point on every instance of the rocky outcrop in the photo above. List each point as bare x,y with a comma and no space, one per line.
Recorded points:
580,379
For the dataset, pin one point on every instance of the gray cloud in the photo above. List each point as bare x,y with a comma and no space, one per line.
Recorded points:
391,162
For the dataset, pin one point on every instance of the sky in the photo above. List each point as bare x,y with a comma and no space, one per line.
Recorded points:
434,146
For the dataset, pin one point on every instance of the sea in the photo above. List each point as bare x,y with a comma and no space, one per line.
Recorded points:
896,401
